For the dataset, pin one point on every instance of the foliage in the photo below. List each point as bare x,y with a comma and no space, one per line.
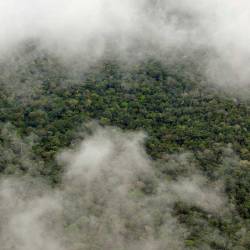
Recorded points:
174,107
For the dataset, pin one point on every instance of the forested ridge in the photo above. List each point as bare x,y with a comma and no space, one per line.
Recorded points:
179,112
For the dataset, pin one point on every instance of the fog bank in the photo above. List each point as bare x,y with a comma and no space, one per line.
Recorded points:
92,29
110,198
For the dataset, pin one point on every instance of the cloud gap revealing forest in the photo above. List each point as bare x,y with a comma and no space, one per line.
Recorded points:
196,139
129,133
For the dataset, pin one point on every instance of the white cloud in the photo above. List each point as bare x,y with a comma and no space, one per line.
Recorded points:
100,204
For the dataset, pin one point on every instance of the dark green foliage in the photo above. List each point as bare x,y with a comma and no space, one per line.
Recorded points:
174,108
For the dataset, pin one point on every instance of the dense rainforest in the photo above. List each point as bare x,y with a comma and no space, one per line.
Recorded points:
44,108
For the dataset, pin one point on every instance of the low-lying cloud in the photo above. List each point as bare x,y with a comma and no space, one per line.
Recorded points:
89,29
110,198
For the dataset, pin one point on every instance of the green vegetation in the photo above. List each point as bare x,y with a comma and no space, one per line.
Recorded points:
178,112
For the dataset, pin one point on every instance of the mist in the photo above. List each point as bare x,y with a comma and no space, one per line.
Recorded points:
91,30
111,194
110,198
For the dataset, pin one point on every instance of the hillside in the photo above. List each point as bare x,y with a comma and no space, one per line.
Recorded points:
44,108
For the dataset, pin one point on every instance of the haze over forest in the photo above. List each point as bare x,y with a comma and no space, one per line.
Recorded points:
124,125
